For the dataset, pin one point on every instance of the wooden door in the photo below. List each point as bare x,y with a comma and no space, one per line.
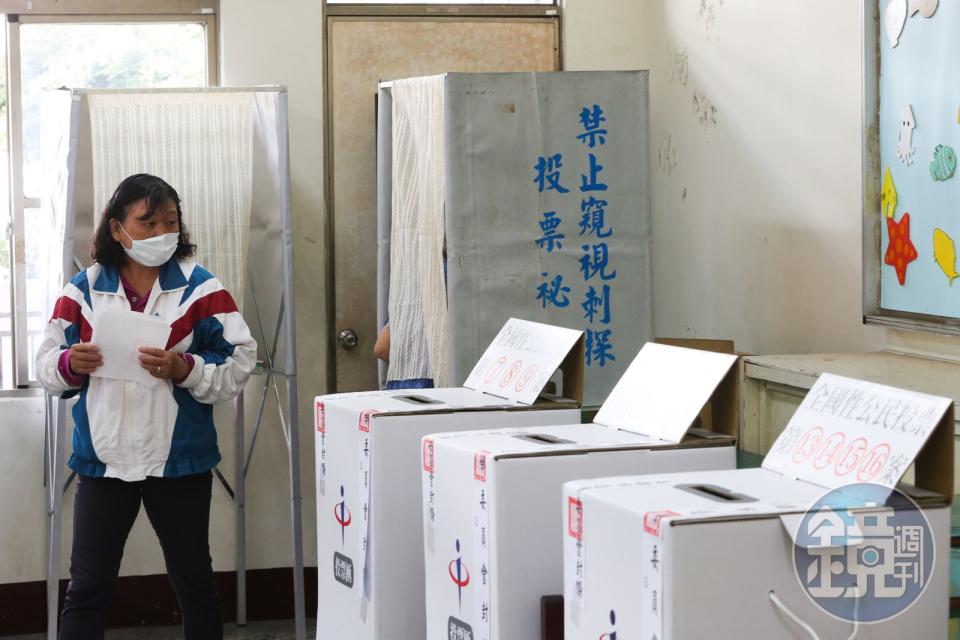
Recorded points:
361,52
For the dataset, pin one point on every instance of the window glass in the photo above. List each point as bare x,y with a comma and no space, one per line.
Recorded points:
115,56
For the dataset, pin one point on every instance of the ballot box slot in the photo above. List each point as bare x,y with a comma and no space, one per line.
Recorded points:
543,438
713,492
418,400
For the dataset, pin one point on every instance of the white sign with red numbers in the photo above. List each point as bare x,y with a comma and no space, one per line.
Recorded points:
521,359
849,431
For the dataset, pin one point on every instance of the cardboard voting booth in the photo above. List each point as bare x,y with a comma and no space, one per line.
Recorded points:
369,527
491,498
791,550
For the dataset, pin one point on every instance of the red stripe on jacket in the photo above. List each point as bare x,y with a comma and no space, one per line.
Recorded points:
69,309
209,305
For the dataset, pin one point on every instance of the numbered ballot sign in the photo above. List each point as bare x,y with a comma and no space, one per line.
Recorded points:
849,431
521,359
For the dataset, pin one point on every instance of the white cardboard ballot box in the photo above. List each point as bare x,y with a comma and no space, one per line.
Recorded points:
492,549
684,556
369,527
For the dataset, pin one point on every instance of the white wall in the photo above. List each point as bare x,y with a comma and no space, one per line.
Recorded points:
21,494
265,43
755,136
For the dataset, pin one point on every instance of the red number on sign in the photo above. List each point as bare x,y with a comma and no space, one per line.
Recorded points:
808,444
525,379
874,464
511,372
851,458
829,451
495,369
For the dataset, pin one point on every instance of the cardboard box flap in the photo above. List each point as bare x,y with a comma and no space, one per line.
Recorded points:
664,389
522,358
703,344
850,431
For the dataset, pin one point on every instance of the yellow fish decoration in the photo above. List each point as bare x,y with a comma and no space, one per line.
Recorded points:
945,253
888,195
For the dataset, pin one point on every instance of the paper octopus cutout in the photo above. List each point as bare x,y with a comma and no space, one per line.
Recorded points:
905,148
900,249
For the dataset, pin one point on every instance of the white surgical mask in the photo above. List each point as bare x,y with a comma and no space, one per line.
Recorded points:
152,252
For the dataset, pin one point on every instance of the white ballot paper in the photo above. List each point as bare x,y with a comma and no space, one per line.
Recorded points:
120,333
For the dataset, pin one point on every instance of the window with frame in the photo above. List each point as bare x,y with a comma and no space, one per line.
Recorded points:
47,52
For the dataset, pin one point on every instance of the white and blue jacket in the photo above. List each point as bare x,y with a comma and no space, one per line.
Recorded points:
123,429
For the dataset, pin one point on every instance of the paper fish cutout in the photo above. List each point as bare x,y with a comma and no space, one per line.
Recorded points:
905,148
945,253
926,7
893,20
888,195
900,249
944,163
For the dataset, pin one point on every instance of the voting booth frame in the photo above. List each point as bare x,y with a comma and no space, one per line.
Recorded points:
272,135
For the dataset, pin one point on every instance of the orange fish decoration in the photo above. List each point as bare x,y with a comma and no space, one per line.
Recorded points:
900,249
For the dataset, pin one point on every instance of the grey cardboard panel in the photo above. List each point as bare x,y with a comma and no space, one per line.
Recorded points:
500,124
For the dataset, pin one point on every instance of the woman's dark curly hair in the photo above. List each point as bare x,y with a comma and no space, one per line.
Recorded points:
107,251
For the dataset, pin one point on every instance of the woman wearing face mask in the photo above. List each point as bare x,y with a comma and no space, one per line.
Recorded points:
133,443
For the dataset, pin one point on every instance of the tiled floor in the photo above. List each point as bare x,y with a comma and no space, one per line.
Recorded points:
269,630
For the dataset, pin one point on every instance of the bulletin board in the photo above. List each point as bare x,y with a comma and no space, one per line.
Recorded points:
911,141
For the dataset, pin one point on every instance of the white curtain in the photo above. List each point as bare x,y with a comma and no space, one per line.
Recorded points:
61,124
201,144
418,306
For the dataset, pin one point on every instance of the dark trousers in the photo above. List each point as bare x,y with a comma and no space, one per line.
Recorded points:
104,512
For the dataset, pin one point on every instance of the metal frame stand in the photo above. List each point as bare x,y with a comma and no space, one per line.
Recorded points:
55,427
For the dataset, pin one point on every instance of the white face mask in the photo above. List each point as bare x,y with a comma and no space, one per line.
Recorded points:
152,252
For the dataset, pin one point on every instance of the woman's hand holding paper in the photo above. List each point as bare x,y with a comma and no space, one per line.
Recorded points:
163,364
85,358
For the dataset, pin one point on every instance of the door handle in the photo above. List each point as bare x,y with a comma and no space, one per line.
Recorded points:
348,339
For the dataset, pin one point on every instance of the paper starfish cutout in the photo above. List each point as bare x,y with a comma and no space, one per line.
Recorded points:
900,250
